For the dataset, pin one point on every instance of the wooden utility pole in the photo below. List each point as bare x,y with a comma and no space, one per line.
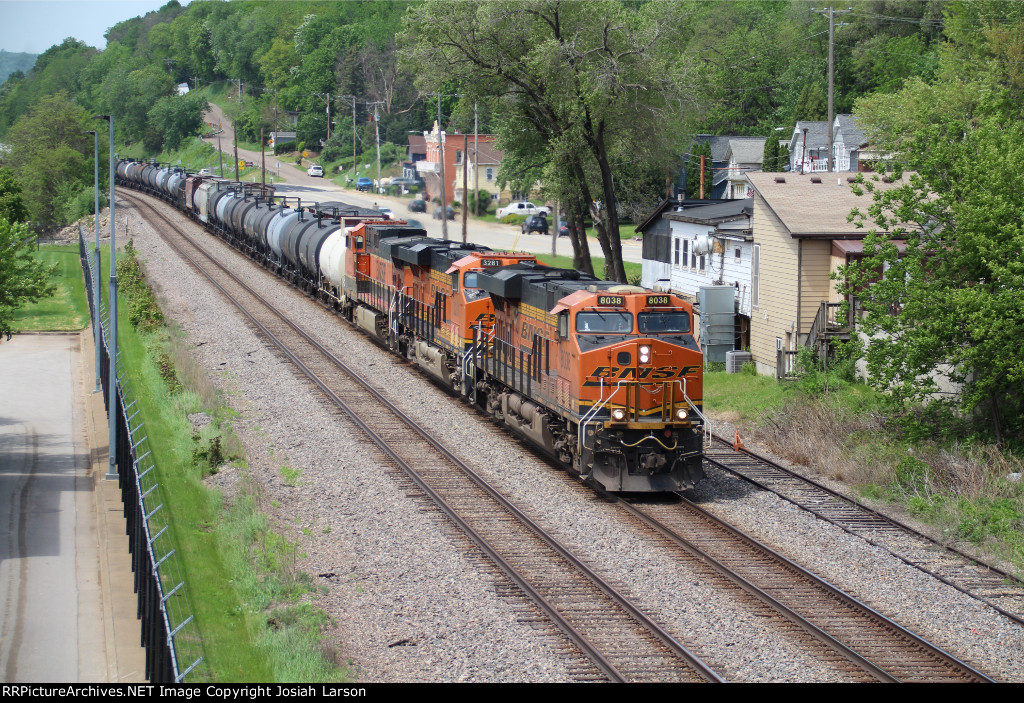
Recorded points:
465,185
831,72
476,162
440,149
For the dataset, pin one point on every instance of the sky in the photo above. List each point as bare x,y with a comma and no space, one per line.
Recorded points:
33,26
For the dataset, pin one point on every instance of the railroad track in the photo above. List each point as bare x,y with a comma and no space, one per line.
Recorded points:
618,638
877,646
620,641
984,582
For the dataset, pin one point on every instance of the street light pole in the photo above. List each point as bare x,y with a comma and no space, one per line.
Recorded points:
96,252
112,306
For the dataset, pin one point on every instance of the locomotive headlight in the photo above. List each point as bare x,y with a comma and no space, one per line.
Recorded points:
645,354
682,414
619,415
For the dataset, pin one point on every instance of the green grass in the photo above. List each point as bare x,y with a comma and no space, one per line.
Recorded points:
243,584
633,271
846,430
67,310
744,397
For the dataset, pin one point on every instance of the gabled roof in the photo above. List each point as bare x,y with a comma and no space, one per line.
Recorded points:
489,155
814,209
817,135
719,145
853,135
746,150
672,204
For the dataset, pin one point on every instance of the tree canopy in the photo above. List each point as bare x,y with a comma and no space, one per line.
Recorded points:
23,278
597,85
945,319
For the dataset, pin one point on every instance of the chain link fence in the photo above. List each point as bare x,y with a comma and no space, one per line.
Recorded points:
169,633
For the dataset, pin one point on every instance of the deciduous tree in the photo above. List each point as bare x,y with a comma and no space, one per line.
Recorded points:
599,83
23,278
951,304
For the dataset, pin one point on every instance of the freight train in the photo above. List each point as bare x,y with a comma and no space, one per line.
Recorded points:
604,377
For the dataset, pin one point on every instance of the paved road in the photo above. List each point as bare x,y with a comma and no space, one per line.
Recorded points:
67,611
293,181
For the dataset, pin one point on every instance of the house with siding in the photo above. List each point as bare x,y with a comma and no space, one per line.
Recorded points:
808,146
697,244
800,237
731,157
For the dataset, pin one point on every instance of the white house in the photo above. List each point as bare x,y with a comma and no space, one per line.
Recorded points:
703,245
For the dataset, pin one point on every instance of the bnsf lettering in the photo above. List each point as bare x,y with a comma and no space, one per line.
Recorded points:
648,373
529,329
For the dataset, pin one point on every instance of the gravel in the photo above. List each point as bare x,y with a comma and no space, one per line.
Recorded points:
413,602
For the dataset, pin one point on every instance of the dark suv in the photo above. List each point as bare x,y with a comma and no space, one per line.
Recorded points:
535,223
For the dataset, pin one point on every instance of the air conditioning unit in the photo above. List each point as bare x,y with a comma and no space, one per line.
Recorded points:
735,359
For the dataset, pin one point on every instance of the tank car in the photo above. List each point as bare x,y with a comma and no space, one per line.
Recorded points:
603,377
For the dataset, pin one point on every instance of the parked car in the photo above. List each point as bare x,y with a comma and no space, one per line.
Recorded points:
364,184
563,229
315,170
450,211
417,205
536,223
386,211
205,172
404,182
522,207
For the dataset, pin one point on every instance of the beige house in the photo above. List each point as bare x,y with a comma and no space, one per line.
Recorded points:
801,235
482,159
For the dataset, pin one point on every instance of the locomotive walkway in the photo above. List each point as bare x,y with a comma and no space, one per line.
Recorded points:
67,606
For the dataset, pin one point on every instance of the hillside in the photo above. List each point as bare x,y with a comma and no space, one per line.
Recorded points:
15,61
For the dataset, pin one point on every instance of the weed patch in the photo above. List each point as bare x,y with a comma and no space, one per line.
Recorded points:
243,576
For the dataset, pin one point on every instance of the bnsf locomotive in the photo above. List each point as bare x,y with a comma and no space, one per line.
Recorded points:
604,377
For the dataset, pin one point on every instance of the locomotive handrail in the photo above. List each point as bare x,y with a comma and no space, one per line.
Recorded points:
702,416
589,417
474,349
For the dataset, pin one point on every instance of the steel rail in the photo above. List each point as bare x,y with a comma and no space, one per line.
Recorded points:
701,669
859,529
855,606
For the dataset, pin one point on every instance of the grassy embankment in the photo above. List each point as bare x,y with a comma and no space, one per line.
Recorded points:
253,607
68,309
848,432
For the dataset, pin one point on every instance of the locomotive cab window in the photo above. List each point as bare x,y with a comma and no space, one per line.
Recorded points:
470,286
663,322
610,321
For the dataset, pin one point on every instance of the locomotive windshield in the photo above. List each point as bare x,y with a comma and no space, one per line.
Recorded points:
620,322
470,287
663,322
